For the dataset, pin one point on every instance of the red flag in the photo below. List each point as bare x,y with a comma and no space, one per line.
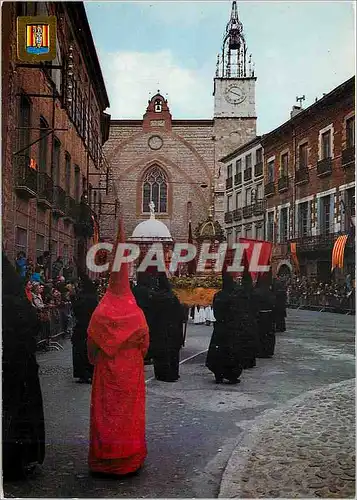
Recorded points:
264,255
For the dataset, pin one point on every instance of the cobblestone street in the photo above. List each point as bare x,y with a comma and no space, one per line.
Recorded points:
287,430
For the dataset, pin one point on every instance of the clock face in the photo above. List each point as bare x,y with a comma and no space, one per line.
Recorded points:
155,142
234,94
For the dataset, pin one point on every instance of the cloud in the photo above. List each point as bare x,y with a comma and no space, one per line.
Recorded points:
131,76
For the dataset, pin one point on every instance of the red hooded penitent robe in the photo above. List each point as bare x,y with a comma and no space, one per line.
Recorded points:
117,429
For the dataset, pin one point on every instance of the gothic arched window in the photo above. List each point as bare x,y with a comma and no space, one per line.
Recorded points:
155,189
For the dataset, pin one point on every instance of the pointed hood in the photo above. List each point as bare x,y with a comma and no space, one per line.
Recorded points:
117,317
119,280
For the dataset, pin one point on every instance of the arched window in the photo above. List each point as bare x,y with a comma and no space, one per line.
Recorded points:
155,189
158,106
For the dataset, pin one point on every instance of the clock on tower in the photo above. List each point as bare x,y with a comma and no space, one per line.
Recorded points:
234,84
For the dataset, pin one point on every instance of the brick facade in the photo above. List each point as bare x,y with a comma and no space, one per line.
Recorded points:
23,212
311,202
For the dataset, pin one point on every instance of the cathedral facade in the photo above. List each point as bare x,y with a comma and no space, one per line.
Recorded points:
176,163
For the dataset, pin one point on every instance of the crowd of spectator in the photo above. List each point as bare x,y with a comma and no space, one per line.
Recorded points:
311,292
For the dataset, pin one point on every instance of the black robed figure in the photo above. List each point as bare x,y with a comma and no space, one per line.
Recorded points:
280,305
265,304
23,428
224,355
142,292
246,321
166,330
83,305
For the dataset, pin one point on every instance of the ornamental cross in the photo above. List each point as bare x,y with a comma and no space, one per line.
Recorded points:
152,209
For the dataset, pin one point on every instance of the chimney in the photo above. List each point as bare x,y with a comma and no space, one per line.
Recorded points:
295,111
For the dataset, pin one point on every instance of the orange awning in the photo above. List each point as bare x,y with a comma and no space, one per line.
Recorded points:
338,252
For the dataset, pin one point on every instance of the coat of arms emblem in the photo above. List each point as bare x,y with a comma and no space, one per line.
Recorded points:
36,38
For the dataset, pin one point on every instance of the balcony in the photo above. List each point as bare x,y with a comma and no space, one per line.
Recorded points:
228,217
229,183
237,214
259,207
238,179
248,174
324,167
45,190
59,201
258,169
25,177
320,243
269,189
348,157
71,209
247,211
283,183
302,175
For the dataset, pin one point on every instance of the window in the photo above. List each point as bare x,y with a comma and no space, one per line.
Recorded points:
303,221
40,245
326,145
56,172
325,214
25,124
270,226
350,132
238,167
238,232
303,156
54,249
229,171
350,198
43,145
284,162
77,183
259,155
68,174
229,203
259,232
248,196
239,199
155,190
248,231
270,171
259,192
21,240
248,161
283,225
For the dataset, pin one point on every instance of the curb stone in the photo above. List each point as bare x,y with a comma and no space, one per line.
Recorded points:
238,470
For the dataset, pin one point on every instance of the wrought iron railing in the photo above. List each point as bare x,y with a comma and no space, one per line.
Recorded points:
238,179
258,169
247,211
269,188
348,157
248,174
59,200
237,214
302,175
324,167
283,183
45,188
25,176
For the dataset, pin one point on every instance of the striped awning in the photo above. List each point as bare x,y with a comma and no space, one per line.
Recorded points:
338,252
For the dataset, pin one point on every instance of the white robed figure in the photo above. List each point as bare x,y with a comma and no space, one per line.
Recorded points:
196,316
201,315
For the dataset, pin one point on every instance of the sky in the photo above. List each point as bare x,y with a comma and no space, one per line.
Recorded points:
299,48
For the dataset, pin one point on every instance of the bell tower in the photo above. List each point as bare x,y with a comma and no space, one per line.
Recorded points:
234,101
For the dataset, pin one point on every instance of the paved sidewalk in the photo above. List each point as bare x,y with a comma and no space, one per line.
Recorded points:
304,450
